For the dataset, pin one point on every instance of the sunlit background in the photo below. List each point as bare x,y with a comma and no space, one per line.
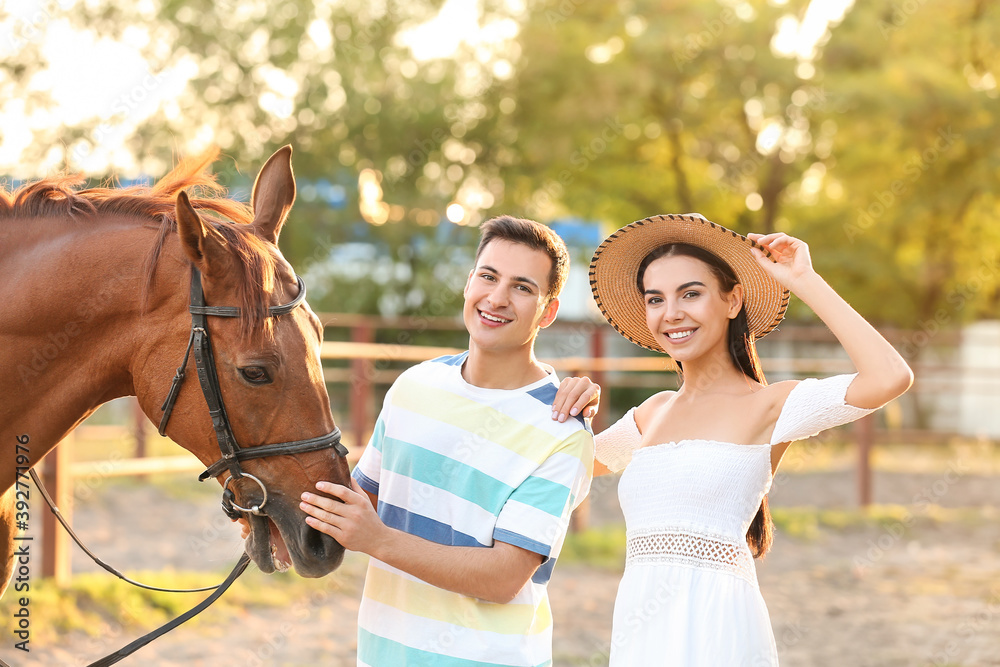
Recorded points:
78,95
869,129
862,128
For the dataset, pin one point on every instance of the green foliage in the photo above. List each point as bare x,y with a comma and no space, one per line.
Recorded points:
604,546
809,523
878,148
883,156
625,113
102,605
601,547
918,211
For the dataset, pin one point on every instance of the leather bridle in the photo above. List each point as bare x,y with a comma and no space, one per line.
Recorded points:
232,452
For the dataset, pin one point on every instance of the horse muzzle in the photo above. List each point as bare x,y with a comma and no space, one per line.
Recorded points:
281,539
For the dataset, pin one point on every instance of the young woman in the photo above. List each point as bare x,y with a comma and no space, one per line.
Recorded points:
698,462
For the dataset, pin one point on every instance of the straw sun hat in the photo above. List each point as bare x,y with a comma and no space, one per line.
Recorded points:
616,262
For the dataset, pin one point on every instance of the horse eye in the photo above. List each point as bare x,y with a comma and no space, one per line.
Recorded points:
255,375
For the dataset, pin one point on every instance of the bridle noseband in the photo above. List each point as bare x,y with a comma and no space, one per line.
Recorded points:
208,377
232,454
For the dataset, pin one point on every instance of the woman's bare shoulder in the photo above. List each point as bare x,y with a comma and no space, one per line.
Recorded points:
651,405
776,394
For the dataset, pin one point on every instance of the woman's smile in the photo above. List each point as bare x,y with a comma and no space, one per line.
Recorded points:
680,335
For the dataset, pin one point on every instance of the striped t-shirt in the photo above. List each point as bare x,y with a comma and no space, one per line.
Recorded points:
463,465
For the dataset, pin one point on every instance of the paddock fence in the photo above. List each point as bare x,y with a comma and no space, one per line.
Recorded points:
359,364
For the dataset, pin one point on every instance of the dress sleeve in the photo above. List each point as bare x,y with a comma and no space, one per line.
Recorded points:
814,406
615,444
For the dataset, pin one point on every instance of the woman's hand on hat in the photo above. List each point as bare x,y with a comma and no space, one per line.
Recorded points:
791,260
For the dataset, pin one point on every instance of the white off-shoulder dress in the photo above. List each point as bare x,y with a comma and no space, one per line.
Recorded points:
689,595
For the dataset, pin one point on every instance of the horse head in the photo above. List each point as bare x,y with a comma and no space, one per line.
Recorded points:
268,367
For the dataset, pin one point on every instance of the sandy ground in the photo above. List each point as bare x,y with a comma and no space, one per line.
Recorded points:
926,594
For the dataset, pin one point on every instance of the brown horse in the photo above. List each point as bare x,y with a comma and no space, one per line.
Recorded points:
94,305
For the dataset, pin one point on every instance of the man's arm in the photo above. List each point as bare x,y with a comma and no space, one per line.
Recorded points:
495,574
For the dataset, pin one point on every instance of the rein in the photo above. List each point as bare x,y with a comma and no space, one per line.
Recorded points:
76,538
232,453
131,648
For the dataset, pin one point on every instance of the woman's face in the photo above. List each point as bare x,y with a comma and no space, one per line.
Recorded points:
686,310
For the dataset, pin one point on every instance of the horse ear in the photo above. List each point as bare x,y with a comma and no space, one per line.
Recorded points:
273,195
204,246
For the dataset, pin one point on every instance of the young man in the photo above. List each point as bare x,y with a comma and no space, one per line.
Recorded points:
473,478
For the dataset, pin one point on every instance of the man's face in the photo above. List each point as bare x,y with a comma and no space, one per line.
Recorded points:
505,296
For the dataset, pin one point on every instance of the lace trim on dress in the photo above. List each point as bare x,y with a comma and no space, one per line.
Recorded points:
699,550
614,446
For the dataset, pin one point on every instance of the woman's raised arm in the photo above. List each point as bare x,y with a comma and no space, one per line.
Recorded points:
883,374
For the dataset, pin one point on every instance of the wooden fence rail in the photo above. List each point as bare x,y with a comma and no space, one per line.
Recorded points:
368,367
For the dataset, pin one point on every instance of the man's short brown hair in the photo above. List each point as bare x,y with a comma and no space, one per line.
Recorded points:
537,237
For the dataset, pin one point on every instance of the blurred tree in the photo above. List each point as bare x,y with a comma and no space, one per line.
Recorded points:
362,112
389,136
874,140
873,137
623,110
908,196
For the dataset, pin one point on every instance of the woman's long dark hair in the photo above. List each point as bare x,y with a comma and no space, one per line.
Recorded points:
742,351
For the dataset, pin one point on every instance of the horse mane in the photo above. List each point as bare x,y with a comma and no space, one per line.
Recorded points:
154,205
60,195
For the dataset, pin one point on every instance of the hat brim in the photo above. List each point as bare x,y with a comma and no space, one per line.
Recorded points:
616,261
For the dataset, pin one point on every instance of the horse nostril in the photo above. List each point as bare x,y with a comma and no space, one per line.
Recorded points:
317,543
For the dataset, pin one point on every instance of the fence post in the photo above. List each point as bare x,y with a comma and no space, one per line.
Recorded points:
864,431
56,561
139,428
579,520
600,421
139,432
362,386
